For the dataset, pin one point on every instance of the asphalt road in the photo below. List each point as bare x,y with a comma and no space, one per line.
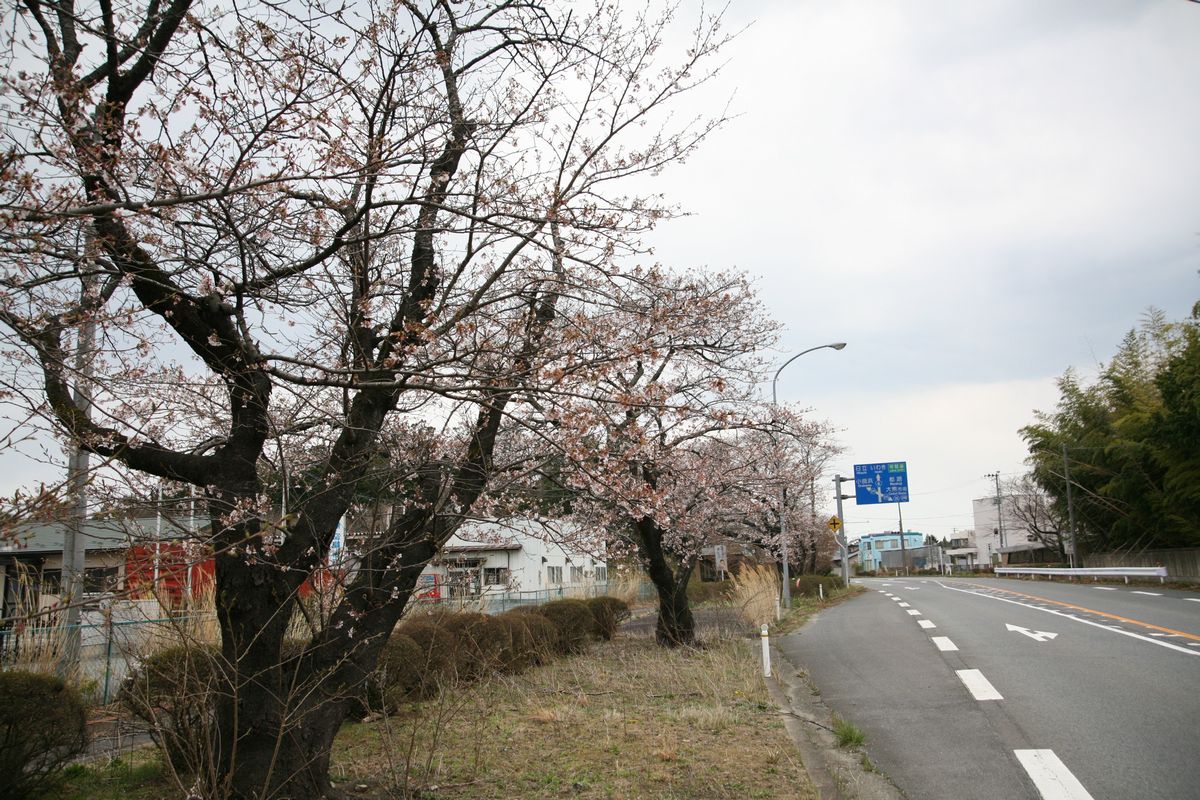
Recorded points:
987,688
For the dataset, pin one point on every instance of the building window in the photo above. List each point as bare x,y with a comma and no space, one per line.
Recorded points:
554,575
495,576
601,574
576,574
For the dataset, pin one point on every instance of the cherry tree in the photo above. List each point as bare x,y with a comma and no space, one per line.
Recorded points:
644,434
362,235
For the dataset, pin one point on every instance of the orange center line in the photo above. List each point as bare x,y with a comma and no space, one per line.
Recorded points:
1086,610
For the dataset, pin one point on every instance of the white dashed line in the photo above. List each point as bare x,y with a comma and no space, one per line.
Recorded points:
977,685
914,613
1148,594
944,644
904,605
913,588
1051,776
927,624
1105,588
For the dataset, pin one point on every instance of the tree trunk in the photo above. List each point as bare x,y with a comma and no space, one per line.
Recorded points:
676,625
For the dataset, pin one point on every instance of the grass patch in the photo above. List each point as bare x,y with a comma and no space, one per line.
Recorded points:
140,778
627,720
848,734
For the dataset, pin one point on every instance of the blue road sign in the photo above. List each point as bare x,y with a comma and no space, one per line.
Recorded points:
881,483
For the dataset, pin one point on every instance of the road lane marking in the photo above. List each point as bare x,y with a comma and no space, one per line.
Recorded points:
1040,636
913,612
924,623
979,686
1051,776
1158,642
944,644
904,605
1148,594
1105,588
1192,599
913,588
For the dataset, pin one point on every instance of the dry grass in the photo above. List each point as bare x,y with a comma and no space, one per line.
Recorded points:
628,720
754,594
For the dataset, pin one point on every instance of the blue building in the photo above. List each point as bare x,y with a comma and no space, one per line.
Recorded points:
873,546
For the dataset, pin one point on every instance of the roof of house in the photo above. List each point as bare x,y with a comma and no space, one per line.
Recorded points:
98,534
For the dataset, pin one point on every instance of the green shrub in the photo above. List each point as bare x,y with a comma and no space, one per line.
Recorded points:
699,591
808,584
532,639
480,643
575,624
43,725
609,613
397,676
439,647
174,691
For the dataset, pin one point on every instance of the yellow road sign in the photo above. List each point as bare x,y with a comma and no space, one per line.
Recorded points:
834,524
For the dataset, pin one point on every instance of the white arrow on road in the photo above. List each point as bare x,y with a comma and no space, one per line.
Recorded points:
1041,636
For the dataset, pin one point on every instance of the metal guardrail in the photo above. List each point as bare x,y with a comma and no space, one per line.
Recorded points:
1089,572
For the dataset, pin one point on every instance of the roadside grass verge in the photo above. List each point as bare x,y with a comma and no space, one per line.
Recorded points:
627,720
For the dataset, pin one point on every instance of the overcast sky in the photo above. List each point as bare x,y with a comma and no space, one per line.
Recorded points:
975,196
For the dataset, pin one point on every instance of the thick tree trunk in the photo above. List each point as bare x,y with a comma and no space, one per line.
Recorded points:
285,704
676,625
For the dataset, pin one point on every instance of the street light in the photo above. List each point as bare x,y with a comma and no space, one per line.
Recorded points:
787,580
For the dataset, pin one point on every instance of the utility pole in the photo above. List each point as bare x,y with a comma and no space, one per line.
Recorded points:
74,555
903,548
1070,502
999,507
843,538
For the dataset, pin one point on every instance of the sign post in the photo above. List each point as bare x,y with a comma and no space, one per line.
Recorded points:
885,482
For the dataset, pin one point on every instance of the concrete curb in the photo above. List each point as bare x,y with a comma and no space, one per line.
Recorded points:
836,772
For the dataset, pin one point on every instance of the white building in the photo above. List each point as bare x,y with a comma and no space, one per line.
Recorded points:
997,536
512,556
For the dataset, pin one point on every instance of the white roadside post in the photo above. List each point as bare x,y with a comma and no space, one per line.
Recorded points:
766,644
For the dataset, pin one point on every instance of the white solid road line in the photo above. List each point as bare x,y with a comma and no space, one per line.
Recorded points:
979,686
913,612
1065,615
1148,594
944,644
924,623
1051,776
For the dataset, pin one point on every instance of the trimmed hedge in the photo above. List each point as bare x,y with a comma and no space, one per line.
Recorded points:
575,624
43,725
439,648
608,613
397,676
480,643
807,584
532,639
174,690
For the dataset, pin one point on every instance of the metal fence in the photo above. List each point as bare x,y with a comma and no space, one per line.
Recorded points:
106,649
499,602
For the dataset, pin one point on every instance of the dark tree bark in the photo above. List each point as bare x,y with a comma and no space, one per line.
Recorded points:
676,625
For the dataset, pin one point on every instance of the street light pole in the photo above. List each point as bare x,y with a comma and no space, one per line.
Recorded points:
787,580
